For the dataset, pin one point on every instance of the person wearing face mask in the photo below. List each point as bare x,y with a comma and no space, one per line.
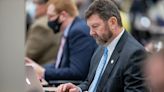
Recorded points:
41,42
55,25
76,46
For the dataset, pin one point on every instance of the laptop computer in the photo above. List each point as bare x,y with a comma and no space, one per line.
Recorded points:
32,83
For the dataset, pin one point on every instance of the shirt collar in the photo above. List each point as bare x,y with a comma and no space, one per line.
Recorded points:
113,44
67,30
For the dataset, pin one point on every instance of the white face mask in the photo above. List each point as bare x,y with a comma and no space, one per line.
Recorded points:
31,8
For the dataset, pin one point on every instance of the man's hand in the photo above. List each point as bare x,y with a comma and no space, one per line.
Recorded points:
39,69
68,87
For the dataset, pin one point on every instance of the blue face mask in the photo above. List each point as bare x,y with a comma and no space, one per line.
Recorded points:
55,25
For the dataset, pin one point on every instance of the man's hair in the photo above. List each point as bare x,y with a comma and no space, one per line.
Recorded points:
105,9
65,5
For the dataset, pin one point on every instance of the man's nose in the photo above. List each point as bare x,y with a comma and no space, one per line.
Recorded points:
92,32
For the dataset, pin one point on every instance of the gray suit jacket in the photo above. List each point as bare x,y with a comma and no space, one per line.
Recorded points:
124,75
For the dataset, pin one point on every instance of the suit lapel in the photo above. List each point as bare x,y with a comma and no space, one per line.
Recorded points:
66,50
96,60
112,62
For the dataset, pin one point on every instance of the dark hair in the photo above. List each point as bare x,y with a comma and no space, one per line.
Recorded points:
105,9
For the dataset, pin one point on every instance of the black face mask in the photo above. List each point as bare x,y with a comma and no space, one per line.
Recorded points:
55,25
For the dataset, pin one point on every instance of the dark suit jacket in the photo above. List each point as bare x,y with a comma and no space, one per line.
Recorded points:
124,75
77,54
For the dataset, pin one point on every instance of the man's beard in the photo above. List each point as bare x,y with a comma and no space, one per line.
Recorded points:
105,38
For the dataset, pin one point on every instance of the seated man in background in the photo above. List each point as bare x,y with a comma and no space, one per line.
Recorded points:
76,48
41,42
154,69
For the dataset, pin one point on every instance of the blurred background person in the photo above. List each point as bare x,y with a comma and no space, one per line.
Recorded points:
30,9
82,6
41,42
156,16
144,19
76,46
138,12
147,20
154,67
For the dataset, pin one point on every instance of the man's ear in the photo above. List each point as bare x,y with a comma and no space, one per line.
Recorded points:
63,16
112,22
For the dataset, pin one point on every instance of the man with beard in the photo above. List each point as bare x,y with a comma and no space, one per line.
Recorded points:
76,47
116,64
